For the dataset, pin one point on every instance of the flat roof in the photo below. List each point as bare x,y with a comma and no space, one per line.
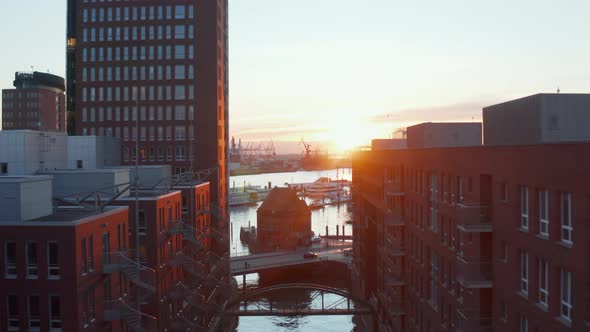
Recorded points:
147,195
68,216
24,178
83,171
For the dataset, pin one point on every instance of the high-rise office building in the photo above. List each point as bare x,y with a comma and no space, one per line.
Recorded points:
37,102
153,71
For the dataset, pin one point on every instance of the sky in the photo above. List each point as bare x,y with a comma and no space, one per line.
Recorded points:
340,72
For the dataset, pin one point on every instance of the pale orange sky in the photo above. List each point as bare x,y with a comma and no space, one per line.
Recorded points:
349,70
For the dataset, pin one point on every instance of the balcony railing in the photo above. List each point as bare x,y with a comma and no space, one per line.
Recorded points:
473,218
473,321
136,273
135,320
473,272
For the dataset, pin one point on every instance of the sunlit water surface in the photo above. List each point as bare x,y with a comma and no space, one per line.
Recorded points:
329,216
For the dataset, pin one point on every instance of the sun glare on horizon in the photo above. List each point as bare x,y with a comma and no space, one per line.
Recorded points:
347,134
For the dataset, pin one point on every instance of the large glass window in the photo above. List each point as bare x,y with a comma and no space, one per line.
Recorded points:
84,265
566,218
12,311
543,281
544,212
179,72
10,260
566,295
53,260
32,260
524,208
34,314
179,92
55,313
524,272
179,52
179,12
179,32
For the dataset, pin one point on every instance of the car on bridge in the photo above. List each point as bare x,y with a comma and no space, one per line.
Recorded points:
310,254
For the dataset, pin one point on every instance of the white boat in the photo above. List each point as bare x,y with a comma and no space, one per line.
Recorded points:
241,197
322,186
249,195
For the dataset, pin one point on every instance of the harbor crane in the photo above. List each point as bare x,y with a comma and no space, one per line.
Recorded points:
307,147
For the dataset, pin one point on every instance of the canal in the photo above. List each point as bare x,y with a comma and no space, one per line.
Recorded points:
330,216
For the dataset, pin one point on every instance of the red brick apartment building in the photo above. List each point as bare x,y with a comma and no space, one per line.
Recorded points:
284,221
174,234
37,102
58,259
53,261
162,63
475,238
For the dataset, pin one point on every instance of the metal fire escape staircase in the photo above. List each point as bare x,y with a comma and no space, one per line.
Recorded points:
138,275
207,283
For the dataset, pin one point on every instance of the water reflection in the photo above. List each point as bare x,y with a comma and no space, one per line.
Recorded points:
330,216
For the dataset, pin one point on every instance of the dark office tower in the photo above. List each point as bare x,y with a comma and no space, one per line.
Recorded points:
161,63
37,102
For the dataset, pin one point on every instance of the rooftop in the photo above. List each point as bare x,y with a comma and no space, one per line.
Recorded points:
283,200
67,216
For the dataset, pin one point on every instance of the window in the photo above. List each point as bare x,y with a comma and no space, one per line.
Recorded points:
83,255
142,224
10,260
504,251
12,313
54,313
503,311
90,253
461,190
92,306
179,12
524,208
32,261
544,212
53,260
85,308
566,295
3,168
180,153
566,218
504,192
34,314
524,272
433,277
179,32
524,324
106,248
543,281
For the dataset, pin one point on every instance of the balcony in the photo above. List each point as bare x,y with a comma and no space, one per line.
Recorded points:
393,218
473,219
136,273
474,272
135,320
473,321
393,188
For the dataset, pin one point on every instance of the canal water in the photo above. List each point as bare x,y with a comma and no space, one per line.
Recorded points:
330,216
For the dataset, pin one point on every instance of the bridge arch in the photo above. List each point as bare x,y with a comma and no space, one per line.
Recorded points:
306,286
